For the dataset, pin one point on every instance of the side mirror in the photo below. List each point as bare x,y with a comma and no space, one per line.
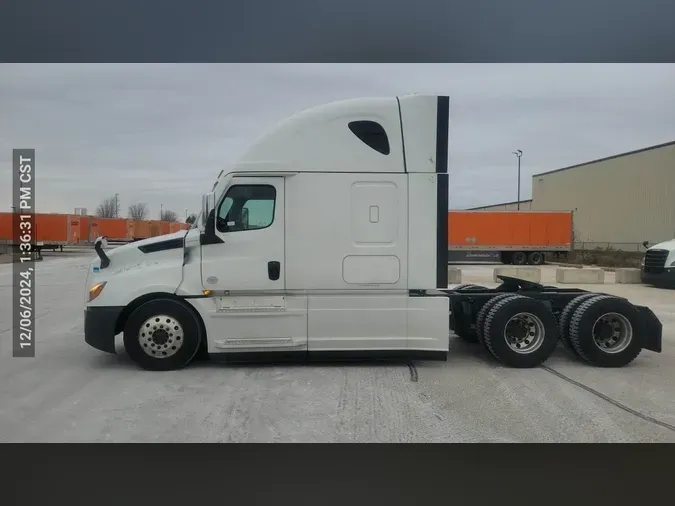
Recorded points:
646,244
208,204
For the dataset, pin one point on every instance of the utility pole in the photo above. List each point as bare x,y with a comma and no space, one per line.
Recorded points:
518,153
161,212
117,205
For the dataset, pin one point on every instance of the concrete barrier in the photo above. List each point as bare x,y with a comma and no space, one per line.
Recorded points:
454,276
628,276
527,273
581,276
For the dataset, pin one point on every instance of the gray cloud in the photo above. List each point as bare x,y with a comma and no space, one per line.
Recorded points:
161,133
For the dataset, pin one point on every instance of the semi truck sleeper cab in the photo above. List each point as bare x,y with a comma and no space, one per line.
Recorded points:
329,238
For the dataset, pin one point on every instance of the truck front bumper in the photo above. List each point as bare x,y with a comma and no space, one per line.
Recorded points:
100,327
665,278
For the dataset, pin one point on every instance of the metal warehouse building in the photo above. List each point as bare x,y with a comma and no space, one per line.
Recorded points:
618,201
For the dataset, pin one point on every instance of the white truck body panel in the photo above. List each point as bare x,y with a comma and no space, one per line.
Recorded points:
317,140
670,246
136,274
317,240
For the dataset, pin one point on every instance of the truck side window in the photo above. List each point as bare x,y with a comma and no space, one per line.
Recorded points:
247,207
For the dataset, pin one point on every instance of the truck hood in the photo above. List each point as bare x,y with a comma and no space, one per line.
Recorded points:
669,245
141,267
146,250
160,238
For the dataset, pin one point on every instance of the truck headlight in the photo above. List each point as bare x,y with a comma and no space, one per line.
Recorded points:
96,290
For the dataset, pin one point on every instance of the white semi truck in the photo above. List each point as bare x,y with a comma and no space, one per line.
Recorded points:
658,264
328,239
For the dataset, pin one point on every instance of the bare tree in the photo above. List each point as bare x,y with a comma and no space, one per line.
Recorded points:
191,219
168,215
138,211
109,208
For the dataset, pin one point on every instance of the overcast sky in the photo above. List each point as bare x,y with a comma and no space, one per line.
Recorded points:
161,133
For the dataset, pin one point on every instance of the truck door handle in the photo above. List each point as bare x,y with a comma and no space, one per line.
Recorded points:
273,270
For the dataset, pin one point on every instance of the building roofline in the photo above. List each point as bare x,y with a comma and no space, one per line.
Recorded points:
499,204
607,158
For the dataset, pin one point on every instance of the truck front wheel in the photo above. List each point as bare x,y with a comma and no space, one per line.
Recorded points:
162,335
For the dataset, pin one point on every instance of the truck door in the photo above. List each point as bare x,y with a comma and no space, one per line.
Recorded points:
246,272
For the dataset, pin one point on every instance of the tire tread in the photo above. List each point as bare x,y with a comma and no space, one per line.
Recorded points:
546,348
566,317
482,313
576,337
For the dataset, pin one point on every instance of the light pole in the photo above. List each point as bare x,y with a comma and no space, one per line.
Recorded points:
117,205
518,153
161,212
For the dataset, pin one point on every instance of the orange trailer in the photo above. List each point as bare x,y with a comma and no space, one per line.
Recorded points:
49,229
6,227
519,237
115,229
142,229
66,229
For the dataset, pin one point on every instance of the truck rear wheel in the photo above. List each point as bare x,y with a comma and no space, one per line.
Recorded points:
535,258
603,331
162,335
482,313
520,332
519,258
566,317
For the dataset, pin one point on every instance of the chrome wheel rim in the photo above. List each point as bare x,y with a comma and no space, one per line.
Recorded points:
612,333
524,333
161,336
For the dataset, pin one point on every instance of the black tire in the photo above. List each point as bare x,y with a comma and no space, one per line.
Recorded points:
183,354
482,313
582,325
536,258
566,317
494,334
519,258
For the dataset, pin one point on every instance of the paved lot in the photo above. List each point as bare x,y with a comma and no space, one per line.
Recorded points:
71,392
